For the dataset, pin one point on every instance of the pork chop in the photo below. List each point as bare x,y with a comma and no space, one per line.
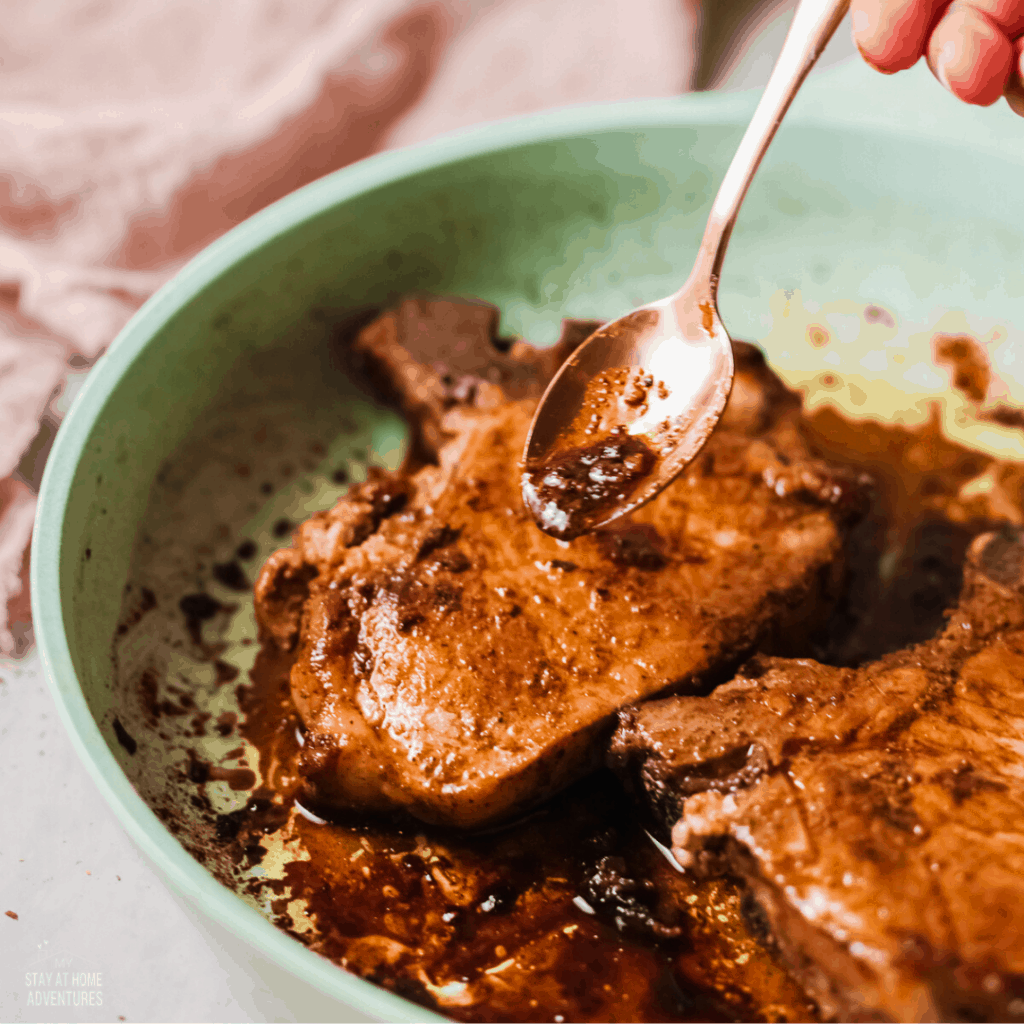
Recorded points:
453,661
875,814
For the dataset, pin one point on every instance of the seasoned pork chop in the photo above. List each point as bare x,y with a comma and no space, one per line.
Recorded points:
455,662
874,813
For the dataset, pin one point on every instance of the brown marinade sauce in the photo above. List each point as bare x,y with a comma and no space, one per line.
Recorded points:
598,464
573,913
570,914
569,488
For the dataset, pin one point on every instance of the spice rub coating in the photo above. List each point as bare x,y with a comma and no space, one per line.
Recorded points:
874,813
454,662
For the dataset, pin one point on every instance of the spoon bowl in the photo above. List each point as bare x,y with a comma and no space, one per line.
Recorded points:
677,344
635,403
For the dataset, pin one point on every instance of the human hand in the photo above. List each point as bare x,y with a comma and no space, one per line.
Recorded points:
975,48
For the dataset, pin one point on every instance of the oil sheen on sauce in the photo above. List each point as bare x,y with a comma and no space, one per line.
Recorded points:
571,914
574,485
575,913
599,463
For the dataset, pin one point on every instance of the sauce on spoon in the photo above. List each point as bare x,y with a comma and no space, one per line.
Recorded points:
613,444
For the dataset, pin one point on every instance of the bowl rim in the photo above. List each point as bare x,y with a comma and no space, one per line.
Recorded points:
173,862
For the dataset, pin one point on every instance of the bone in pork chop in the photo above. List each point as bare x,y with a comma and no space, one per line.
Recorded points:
875,814
455,662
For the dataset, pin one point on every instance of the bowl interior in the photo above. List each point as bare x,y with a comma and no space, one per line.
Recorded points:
226,408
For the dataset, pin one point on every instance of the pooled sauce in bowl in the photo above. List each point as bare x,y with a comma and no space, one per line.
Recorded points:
574,911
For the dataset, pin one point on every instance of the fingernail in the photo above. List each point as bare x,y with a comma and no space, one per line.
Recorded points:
943,59
861,22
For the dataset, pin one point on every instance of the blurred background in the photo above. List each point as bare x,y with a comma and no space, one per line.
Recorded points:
133,133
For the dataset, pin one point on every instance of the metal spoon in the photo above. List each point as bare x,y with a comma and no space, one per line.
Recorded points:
634,404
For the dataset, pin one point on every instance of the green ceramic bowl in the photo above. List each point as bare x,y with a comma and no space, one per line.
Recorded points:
586,212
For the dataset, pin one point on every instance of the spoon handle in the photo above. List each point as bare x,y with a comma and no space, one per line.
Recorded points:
812,27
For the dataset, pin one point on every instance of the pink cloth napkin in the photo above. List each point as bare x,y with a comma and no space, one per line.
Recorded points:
133,132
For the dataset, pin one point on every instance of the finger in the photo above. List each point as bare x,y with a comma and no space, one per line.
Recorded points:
1015,87
970,54
1007,15
893,34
